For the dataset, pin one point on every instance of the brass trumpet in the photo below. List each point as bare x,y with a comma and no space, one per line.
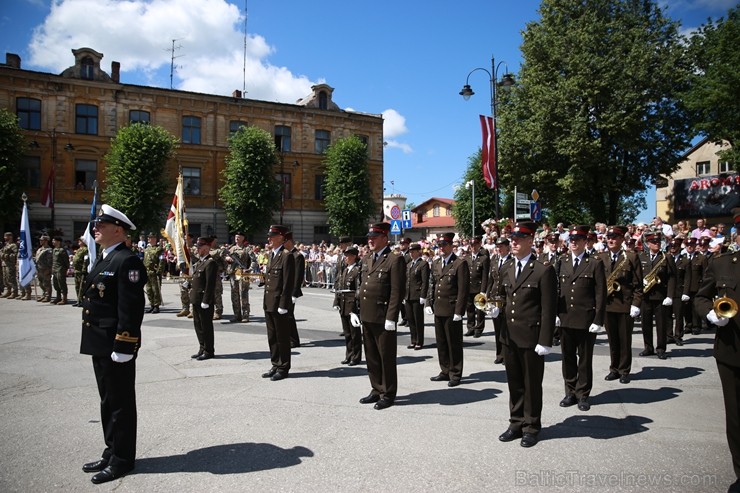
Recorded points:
482,303
725,307
239,274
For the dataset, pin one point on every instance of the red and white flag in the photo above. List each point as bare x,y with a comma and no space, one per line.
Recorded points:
176,229
47,196
488,151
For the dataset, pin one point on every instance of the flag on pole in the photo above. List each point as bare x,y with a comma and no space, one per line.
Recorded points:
26,265
47,196
176,228
488,151
88,236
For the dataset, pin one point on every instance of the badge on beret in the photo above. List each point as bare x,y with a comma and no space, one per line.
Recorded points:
101,289
134,276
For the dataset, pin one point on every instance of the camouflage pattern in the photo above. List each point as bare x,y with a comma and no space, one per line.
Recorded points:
79,264
218,255
9,257
154,264
240,288
59,268
43,270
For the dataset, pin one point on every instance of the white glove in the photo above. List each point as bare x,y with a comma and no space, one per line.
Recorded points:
495,312
542,350
428,310
423,301
293,299
668,301
456,318
595,328
204,306
557,321
719,322
121,357
282,311
336,307
685,297
390,325
634,311
354,320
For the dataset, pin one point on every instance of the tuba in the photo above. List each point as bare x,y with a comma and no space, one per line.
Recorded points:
725,307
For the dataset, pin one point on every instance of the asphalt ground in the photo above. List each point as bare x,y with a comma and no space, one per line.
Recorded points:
217,425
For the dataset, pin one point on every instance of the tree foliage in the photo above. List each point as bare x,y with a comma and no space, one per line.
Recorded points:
135,180
485,200
11,154
348,198
250,193
596,114
714,95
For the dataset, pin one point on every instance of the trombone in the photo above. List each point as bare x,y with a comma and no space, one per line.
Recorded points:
725,307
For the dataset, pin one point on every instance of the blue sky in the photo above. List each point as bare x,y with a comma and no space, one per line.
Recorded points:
405,59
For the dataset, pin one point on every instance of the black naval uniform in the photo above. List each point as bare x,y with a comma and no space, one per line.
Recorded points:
112,312
203,290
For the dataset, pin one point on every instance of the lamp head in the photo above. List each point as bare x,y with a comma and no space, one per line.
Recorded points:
466,92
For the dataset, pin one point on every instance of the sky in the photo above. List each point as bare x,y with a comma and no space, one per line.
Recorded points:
404,59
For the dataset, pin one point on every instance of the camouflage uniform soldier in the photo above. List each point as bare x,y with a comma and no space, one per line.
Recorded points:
59,267
9,256
43,268
239,257
79,264
218,255
185,285
154,263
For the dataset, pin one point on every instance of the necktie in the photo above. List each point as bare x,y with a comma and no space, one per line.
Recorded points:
652,258
500,263
518,268
575,263
614,259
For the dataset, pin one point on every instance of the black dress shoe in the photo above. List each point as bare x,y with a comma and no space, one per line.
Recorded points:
556,342
197,355
383,404
96,466
353,363
583,404
155,310
647,352
696,332
440,378
568,401
204,356
679,342
411,346
270,373
469,333
344,361
150,310
109,474
528,440
370,399
510,435
477,334
279,375
418,347
453,383
611,376
403,323
624,379
498,361
662,355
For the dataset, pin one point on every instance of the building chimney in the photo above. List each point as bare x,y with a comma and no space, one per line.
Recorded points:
115,71
12,60
236,94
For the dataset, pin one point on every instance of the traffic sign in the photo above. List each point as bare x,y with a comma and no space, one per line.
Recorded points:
395,212
406,222
396,227
535,211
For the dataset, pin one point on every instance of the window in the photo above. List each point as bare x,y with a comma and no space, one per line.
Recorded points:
323,100
138,116
284,178
190,130
87,69
323,139
86,121
86,172
365,140
235,125
702,168
282,138
319,191
320,231
435,213
29,113
31,170
191,182
725,167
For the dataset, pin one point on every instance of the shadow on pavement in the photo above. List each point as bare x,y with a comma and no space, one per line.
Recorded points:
235,458
246,356
446,396
635,396
489,376
594,426
666,373
339,372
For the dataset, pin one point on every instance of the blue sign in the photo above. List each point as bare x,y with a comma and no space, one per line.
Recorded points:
406,219
396,227
535,211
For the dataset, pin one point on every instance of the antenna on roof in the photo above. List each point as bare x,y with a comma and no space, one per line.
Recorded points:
244,67
172,60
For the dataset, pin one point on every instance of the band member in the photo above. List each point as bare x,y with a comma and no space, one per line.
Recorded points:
659,284
479,265
113,309
698,267
300,272
238,257
550,255
681,297
581,308
344,302
499,264
530,288
623,272
417,285
203,298
279,286
447,299
721,281
383,278
404,252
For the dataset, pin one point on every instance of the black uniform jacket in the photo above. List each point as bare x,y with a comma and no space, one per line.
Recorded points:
279,281
581,292
449,287
417,280
346,289
205,277
382,285
479,270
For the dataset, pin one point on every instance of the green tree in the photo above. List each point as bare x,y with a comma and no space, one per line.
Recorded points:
714,96
135,173
11,154
250,193
348,199
596,116
485,199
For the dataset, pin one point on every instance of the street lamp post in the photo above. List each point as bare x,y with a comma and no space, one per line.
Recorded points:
507,80
471,184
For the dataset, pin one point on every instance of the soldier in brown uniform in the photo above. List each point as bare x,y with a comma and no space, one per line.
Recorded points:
581,307
623,272
218,256
447,298
346,286
59,267
417,285
43,268
681,297
530,288
550,255
383,278
479,265
185,284
657,294
203,297
300,271
404,252
499,264
238,258
698,267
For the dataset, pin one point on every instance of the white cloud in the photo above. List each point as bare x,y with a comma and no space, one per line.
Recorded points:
394,125
139,34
